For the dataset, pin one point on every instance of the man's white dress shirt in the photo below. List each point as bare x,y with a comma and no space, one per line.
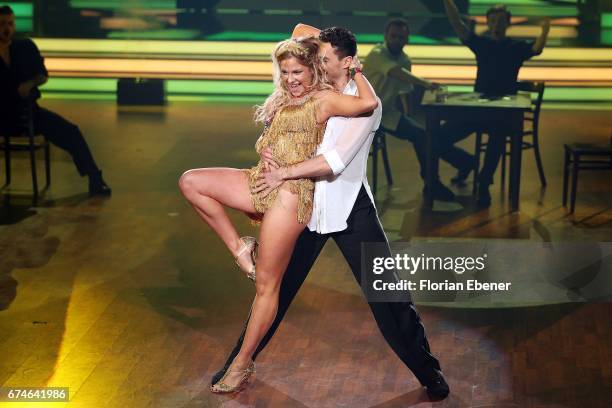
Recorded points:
346,146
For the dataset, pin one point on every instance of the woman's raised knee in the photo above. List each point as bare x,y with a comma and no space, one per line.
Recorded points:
187,182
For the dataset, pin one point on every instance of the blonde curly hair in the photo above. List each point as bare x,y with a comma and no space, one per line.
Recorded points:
306,51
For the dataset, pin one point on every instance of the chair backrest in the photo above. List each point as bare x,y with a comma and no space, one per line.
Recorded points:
533,87
537,88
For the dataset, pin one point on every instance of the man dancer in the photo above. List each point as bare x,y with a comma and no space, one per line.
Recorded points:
344,210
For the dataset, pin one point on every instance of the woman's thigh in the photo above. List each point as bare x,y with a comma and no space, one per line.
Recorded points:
279,232
228,186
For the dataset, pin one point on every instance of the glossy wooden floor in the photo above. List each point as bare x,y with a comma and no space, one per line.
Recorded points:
132,302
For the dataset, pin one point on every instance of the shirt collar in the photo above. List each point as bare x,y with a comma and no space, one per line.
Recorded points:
350,88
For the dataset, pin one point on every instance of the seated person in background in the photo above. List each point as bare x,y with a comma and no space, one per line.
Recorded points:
499,60
22,70
388,68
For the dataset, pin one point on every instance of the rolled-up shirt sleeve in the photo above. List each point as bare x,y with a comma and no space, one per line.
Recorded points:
351,139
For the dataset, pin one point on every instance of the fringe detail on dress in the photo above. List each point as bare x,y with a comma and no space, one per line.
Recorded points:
297,123
294,136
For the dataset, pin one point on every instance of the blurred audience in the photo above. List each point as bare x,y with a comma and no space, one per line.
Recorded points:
389,70
499,59
22,71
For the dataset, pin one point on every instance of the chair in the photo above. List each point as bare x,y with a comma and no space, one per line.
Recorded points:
597,157
379,144
26,141
410,106
533,117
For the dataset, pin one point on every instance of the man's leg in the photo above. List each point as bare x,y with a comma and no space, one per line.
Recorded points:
495,148
411,130
495,145
307,249
68,137
399,322
451,133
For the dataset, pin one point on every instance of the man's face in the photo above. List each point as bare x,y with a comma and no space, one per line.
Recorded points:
395,38
334,66
7,28
498,24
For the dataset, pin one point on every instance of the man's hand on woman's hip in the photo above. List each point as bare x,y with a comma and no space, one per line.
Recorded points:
271,178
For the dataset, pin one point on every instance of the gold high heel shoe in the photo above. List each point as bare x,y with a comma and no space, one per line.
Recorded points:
248,244
222,388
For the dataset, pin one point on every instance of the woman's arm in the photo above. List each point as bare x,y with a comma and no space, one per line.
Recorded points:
304,30
334,104
332,161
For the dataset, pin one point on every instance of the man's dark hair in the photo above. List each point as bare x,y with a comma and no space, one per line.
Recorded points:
6,11
499,8
397,22
343,41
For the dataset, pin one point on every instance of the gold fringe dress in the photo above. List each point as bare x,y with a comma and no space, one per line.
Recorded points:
293,136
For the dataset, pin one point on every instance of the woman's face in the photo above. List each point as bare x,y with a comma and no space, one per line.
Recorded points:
295,76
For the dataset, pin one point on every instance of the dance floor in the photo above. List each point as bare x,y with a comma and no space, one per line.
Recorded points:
132,301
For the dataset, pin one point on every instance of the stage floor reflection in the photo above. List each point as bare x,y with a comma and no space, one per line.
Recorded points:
133,302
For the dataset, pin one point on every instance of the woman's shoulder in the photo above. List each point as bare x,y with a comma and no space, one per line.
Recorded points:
325,92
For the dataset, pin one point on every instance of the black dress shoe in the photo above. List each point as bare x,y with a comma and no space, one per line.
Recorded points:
484,196
97,185
436,385
439,191
462,175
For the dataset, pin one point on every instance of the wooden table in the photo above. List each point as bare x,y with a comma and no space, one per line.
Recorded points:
471,106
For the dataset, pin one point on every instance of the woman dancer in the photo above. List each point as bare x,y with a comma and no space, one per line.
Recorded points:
294,115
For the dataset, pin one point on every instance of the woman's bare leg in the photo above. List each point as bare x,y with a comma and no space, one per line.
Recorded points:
279,232
208,190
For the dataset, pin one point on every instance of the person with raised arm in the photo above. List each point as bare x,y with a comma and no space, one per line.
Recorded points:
499,59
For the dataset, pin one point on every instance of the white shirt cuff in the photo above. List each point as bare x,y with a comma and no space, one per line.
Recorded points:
334,161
